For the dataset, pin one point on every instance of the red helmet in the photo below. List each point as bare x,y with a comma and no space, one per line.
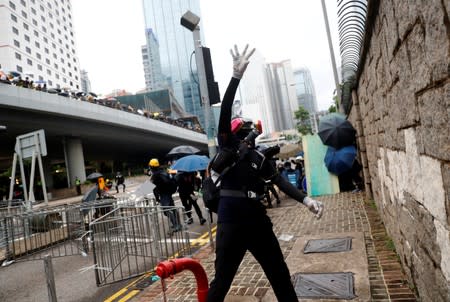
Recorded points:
243,126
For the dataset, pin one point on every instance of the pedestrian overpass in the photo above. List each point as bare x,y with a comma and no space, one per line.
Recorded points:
77,130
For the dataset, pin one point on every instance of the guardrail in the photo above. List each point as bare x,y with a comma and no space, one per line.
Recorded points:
130,241
60,231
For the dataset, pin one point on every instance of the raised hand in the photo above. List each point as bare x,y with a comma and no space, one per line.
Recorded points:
240,61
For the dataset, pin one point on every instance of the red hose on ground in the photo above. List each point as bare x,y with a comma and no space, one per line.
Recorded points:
171,267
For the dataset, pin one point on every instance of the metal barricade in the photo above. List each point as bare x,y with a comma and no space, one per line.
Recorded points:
59,231
130,241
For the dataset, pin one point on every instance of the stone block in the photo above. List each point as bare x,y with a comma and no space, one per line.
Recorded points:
407,12
389,24
437,42
420,68
434,122
446,180
427,279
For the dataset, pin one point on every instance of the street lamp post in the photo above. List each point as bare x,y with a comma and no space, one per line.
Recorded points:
190,21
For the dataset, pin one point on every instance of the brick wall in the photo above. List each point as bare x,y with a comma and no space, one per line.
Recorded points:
401,109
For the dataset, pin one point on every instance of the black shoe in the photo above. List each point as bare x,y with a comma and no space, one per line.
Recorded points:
202,221
269,206
190,220
278,201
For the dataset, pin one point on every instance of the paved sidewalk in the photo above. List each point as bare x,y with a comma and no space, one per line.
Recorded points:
376,271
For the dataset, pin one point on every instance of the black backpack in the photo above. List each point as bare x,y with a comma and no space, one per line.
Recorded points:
165,182
211,193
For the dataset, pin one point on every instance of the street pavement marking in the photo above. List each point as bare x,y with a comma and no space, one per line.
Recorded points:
130,293
116,295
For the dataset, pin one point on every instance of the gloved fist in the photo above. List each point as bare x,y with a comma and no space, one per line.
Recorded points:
314,206
240,61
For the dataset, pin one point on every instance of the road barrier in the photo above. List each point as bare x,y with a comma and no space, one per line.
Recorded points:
130,241
59,231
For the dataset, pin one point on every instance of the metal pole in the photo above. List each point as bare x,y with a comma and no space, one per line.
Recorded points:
333,60
204,90
50,278
13,178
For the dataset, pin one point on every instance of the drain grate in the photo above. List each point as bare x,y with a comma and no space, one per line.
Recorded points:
324,286
328,245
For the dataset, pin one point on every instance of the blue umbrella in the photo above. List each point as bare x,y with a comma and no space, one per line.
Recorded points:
340,160
191,163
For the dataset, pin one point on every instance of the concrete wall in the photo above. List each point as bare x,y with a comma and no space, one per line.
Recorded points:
401,109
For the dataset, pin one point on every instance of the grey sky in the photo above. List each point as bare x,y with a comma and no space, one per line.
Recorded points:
110,33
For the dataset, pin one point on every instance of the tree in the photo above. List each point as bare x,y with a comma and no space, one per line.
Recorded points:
303,121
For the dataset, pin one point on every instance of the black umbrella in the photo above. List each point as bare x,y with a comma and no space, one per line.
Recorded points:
94,176
182,150
336,131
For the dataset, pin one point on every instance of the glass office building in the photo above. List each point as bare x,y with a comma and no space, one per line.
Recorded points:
304,86
176,50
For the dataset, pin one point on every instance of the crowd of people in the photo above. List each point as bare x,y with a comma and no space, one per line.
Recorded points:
93,98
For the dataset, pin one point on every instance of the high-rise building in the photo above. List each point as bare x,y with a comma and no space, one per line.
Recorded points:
283,103
304,87
85,82
152,62
306,95
255,98
38,41
175,47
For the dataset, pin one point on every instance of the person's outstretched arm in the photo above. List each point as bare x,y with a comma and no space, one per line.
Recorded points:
313,205
240,62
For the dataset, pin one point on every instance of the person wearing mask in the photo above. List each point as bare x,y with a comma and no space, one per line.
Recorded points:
291,175
186,187
242,220
165,186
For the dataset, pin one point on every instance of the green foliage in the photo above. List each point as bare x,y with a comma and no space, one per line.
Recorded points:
303,121
332,108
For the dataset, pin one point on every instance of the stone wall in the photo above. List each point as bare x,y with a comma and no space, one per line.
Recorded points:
401,109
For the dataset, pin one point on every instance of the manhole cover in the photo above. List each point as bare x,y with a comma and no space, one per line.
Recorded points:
328,245
324,286
146,282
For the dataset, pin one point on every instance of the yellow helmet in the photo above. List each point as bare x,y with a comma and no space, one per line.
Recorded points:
154,163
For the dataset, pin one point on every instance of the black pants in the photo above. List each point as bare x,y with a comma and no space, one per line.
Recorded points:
121,184
188,203
233,240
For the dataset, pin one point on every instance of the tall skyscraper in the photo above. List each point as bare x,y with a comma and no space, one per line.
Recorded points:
85,82
306,95
175,47
283,103
152,62
37,40
304,87
255,98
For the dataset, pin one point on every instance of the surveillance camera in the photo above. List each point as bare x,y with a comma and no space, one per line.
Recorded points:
190,20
